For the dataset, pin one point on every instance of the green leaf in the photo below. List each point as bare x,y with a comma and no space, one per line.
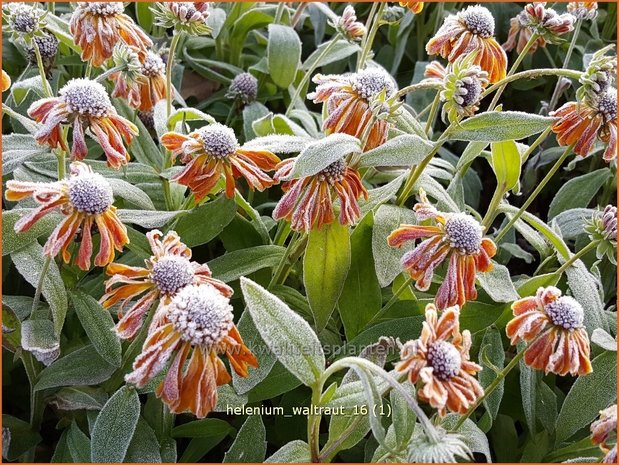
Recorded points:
21,439
79,398
188,114
529,380
404,150
115,425
325,267
13,241
233,265
572,222
339,51
79,368
585,289
320,154
491,352
145,16
212,218
471,435
253,19
144,447
21,89
98,324
497,126
39,338
403,417
143,147
78,444
588,395
207,427
147,218
361,298
288,335
29,261
506,164
283,54
293,452
131,193
579,191
60,28
17,149
498,284
250,445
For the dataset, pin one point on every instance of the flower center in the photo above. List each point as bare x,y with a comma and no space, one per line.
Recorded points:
464,233
86,97
201,314
607,104
172,273
445,359
479,21
90,193
219,141
473,89
48,46
105,8
23,19
334,172
565,312
244,86
153,65
371,82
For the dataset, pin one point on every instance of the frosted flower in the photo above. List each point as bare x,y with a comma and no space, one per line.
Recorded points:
600,73
457,237
602,228
85,199
583,10
167,271
190,17
83,104
213,151
23,21
243,88
147,88
48,48
349,27
199,327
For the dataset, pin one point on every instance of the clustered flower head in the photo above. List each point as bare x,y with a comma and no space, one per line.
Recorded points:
97,27
24,21
167,271
535,18
472,29
188,17
243,88
213,151
349,27
457,237
308,201
198,326
85,199
600,73
604,433
583,10
352,102
47,44
439,360
602,228
553,325
84,104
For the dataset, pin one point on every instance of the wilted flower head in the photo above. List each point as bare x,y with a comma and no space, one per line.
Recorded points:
98,26
308,201
593,118
600,73
604,432
145,89
602,227
457,237
440,361
583,10
167,271
24,20
415,7
243,88
349,27
213,151
198,327
83,104
352,101
471,29
85,199
553,326
446,448
189,17
48,48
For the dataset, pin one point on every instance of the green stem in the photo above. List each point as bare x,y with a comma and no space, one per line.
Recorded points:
279,12
514,67
534,194
310,71
535,144
492,208
391,301
433,109
103,76
37,292
313,427
169,66
88,71
556,93
425,84
368,25
33,368
282,263
46,87
577,256
531,74
367,47
297,14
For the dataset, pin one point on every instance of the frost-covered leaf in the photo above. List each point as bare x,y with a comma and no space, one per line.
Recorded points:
497,126
212,217
147,218
584,287
491,354
403,417
279,143
601,338
13,241
382,194
578,191
131,193
144,447
472,436
78,444
79,398
572,222
17,149
233,265
288,335
293,452
498,284
405,150
338,51
38,337
250,444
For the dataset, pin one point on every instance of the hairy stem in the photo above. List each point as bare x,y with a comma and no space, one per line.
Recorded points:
531,74
46,87
557,92
367,46
577,256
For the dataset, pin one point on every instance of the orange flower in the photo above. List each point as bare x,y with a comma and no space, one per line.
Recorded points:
198,327
440,359
167,271
348,99
583,10
84,104
98,26
86,201
415,7
582,123
603,431
5,82
148,89
213,151
471,29
348,25
308,201
455,236
555,325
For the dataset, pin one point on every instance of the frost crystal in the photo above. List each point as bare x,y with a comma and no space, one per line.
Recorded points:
219,141
464,233
172,273
371,82
565,312
104,8
90,193
86,97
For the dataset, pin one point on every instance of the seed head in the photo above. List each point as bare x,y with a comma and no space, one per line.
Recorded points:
334,172
469,91
606,104
371,82
90,193
147,118
445,359
48,47
86,97
219,141
478,20
153,65
463,233
172,273
565,312
23,18
243,87
201,314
